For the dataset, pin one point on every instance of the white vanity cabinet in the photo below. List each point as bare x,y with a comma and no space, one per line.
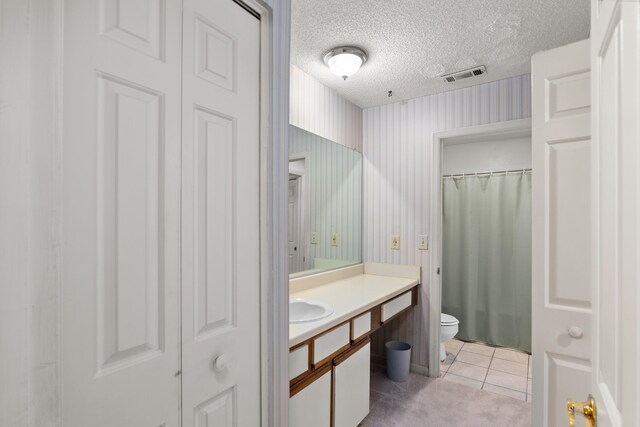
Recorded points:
329,362
351,386
310,406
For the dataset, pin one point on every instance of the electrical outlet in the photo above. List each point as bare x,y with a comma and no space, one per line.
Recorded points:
335,240
314,237
395,241
423,242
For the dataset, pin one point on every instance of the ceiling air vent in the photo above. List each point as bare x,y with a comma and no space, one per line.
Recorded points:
464,74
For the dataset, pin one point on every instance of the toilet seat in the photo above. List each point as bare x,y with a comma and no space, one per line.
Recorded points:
448,320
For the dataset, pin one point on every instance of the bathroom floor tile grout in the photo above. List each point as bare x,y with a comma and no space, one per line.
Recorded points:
488,368
486,374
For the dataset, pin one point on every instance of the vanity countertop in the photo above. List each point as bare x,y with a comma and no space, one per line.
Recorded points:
349,297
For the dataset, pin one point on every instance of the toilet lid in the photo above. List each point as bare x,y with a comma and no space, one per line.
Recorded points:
447,319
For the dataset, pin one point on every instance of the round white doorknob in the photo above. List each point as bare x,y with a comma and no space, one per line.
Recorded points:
220,364
575,332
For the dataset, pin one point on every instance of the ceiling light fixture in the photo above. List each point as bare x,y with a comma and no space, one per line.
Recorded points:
345,61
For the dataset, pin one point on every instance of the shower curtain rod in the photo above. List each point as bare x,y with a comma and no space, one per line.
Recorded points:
462,175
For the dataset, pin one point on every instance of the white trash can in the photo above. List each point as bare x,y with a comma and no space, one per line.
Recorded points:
398,360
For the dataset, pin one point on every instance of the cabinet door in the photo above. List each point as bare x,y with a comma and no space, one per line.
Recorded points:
351,387
311,407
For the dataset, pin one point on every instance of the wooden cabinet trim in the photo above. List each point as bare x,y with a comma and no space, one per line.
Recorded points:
309,379
355,348
301,344
318,369
376,318
330,357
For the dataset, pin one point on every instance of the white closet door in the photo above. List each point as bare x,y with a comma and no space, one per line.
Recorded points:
121,155
220,216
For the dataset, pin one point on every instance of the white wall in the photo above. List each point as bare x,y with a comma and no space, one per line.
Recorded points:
397,142
30,210
484,156
318,109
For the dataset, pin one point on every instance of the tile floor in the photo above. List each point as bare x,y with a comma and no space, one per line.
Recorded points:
435,402
498,370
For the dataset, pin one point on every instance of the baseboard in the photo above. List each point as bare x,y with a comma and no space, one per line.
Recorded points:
376,359
419,369
414,367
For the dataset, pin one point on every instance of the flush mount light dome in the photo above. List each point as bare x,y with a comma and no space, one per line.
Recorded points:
345,61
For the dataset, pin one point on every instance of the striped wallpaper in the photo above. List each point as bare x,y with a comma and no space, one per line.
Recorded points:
335,187
318,109
396,147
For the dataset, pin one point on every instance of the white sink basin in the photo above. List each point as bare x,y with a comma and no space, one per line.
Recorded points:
302,311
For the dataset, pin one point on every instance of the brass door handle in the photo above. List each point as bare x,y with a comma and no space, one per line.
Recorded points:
588,409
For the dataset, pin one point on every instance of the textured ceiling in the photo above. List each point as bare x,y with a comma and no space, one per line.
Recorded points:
411,42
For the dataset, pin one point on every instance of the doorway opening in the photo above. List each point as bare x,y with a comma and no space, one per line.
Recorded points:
481,276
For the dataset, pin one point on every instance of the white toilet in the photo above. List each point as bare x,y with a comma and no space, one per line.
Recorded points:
448,330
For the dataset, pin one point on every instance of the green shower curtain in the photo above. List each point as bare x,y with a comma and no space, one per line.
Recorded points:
486,249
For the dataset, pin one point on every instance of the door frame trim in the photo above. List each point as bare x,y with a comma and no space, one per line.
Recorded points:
305,207
435,226
275,29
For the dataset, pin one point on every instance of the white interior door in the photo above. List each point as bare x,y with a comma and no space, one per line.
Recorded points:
295,202
615,56
562,303
121,154
220,216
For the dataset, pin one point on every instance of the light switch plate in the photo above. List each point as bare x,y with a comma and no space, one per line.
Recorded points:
314,237
335,240
395,241
423,242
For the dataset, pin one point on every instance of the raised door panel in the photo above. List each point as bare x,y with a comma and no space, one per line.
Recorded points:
121,193
216,52
130,236
568,165
215,301
219,411
568,377
220,215
136,24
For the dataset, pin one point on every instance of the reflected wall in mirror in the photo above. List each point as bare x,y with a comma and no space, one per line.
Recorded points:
325,197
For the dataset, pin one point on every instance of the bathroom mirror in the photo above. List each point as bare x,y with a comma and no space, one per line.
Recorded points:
325,197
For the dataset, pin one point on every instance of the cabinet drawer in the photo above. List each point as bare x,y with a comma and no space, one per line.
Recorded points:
327,344
395,306
298,361
360,325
